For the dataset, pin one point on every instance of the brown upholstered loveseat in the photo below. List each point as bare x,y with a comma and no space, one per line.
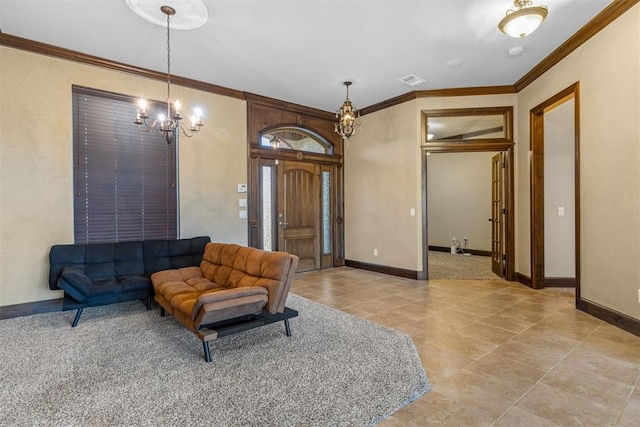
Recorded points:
235,288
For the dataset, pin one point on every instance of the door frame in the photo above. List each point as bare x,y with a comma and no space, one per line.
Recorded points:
536,168
259,156
505,144
265,113
497,210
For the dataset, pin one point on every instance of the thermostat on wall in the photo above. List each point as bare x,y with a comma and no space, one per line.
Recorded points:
242,188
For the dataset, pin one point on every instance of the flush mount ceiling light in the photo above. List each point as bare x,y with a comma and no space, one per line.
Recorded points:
524,20
347,115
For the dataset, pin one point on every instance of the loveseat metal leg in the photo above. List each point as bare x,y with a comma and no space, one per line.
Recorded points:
75,320
287,327
148,303
162,312
207,353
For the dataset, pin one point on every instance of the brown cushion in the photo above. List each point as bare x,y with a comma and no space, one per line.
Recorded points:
232,281
226,295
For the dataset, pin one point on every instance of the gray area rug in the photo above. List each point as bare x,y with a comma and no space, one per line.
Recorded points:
443,265
123,365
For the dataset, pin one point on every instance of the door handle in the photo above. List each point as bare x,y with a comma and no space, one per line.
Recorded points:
281,222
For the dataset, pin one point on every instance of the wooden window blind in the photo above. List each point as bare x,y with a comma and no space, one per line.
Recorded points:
124,179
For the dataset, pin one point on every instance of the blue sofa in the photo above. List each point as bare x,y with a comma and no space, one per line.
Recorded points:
105,273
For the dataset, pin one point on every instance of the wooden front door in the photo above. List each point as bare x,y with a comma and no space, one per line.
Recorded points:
298,208
497,214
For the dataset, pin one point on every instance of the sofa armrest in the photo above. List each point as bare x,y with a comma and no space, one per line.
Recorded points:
227,294
74,282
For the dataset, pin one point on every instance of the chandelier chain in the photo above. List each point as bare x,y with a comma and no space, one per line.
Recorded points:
168,66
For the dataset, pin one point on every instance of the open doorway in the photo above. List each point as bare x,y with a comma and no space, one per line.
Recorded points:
555,192
485,132
465,197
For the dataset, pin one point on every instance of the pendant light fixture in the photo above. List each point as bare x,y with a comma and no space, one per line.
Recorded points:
170,124
524,20
347,114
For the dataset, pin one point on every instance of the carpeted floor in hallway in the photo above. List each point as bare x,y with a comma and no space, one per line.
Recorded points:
444,265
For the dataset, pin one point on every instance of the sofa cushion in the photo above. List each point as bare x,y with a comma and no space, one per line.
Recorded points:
234,308
179,285
219,296
128,259
135,283
171,254
217,262
75,283
106,286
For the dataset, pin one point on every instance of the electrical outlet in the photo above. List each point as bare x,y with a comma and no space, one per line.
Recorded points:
375,252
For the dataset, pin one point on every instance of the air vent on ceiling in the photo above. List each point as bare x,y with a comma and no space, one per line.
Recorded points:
411,80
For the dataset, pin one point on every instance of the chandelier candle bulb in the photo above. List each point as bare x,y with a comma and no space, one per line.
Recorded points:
171,126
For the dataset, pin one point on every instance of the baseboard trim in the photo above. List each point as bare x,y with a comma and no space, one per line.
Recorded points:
477,252
525,280
29,308
608,315
393,271
559,282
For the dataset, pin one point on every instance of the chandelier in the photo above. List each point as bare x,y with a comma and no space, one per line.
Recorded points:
347,115
170,124
524,20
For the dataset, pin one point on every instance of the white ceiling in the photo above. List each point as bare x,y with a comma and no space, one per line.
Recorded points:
302,50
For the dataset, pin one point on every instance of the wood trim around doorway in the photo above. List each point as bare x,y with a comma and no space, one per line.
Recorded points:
537,183
506,145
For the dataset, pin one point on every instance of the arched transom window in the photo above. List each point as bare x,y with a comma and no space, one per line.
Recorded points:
293,138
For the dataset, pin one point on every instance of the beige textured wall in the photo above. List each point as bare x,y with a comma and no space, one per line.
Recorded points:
559,191
36,181
608,69
383,181
459,199
382,185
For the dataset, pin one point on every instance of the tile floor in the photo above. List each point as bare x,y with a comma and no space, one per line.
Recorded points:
497,353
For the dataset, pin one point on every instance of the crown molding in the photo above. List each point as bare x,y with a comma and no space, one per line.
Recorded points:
409,96
61,53
466,91
252,98
434,93
599,22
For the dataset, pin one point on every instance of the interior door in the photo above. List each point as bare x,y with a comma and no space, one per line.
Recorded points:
299,212
497,214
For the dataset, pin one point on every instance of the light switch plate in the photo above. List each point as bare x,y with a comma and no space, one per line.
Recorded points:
243,213
242,203
560,211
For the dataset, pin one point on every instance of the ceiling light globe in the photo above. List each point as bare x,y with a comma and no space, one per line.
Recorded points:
522,22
